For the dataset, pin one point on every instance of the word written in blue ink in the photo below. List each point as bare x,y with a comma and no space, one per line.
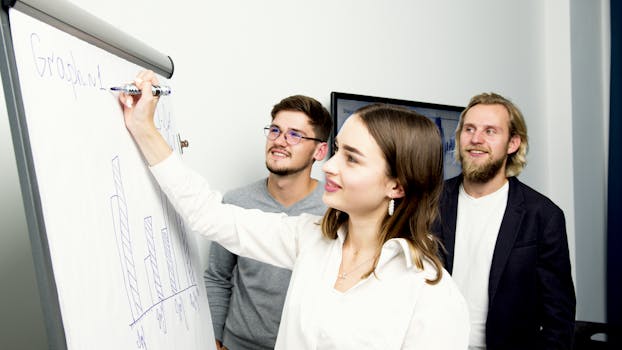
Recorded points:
63,67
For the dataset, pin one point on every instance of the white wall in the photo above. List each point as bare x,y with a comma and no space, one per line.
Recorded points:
235,59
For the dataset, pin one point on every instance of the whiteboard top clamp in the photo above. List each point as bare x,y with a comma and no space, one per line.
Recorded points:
131,89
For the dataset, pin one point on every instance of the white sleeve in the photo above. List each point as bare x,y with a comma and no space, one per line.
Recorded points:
440,320
267,237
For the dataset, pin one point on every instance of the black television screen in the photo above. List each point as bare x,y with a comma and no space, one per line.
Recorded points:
444,116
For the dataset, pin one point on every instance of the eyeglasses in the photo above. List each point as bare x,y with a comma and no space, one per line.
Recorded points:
291,137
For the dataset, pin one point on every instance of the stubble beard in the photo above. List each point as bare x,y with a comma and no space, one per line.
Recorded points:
284,171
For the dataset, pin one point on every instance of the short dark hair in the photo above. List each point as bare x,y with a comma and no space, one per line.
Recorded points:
319,117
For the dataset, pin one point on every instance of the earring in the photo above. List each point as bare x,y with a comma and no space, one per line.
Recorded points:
391,206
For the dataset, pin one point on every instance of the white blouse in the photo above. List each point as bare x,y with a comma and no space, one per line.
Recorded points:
395,309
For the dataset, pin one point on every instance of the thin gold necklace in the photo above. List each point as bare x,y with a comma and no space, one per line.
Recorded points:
344,275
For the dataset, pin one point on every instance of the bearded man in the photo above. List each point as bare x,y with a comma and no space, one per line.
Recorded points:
505,243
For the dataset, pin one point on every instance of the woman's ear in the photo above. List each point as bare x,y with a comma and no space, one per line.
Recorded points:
397,190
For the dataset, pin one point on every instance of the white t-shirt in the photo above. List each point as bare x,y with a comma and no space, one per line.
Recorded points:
477,226
395,310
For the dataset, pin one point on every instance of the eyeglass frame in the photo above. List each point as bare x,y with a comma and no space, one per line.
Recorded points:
296,135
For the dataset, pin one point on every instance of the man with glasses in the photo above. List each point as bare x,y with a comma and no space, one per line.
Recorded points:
245,296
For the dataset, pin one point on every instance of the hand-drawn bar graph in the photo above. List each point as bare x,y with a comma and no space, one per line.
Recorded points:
151,265
151,293
124,241
188,262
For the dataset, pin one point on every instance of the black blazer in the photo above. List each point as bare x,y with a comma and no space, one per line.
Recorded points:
531,299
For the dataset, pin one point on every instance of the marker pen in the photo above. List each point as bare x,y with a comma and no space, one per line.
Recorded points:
131,89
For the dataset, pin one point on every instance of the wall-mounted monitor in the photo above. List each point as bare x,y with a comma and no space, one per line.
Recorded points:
446,117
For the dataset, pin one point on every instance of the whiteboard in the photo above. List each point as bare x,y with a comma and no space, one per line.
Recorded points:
126,271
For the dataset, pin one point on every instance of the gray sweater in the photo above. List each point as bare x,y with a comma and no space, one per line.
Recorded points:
245,296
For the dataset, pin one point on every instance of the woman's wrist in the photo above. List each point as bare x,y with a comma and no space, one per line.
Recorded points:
151,143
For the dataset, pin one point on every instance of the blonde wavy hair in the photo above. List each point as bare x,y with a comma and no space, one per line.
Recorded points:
516,161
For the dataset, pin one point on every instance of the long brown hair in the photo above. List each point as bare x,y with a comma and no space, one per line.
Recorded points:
413,150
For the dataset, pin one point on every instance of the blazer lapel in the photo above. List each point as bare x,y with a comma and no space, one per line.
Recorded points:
449,211
510,227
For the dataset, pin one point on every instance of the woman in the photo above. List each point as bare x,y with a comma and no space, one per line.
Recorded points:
367,274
